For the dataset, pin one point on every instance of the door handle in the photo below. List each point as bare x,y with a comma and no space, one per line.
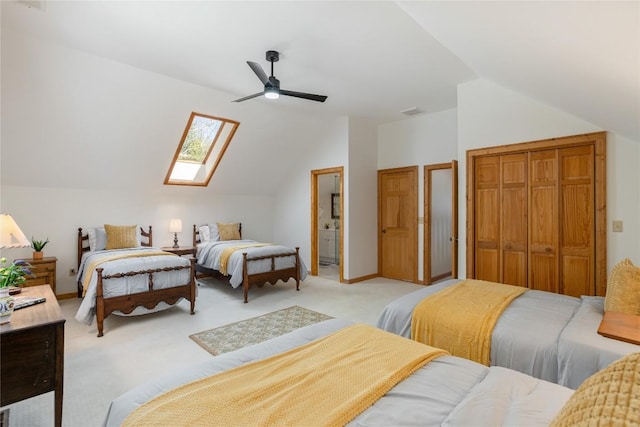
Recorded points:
384,230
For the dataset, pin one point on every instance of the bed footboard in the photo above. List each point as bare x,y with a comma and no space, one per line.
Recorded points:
272,276
148,299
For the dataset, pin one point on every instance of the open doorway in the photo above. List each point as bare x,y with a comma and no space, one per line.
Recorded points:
440,222
326,223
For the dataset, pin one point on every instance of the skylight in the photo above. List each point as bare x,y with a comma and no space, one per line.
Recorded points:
203,144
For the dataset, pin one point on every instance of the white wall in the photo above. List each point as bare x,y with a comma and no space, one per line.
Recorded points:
57,213
87,141
421,140
490,115
361,201
292,216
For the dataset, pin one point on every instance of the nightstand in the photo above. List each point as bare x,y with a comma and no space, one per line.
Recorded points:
182,250
32,351
44,270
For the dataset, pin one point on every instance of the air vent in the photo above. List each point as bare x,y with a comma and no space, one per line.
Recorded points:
411,111
39,5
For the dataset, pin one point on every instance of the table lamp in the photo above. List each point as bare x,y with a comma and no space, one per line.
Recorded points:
10,234
175,227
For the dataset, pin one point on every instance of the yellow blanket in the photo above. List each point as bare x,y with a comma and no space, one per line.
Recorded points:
461,318
226,253
94,264
326,382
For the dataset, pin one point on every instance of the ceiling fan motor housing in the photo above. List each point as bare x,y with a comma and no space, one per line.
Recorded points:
273,56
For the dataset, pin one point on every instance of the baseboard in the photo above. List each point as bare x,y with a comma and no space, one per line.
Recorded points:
67,296
361,279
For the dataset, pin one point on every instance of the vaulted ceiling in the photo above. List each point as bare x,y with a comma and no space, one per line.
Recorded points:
372,59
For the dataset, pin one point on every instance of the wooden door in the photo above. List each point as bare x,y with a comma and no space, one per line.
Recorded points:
487,219
513,219
398,223
544,268
564,208
577,221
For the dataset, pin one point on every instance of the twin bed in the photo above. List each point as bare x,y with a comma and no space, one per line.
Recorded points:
446,391
128,276
548,336
221,252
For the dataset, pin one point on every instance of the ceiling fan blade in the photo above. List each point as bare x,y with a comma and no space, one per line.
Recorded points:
310,96
249,97
259,72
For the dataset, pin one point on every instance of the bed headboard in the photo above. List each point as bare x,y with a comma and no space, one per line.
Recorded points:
83,241
196,234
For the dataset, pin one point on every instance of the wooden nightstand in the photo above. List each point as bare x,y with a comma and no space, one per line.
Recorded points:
44,270
32,351
182,250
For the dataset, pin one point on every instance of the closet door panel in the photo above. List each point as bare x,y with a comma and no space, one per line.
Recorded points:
513,218
487,219
577,276
577,217
543,221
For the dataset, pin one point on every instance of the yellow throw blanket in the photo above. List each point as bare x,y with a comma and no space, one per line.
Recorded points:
461,318
226,253
94,264
326,382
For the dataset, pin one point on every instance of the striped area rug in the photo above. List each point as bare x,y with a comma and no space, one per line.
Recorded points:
257,329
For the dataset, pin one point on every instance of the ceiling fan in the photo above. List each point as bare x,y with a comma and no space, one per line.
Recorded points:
272,85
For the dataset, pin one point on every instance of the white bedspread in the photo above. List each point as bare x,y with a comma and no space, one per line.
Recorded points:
546,335
210,253
131,284
449,390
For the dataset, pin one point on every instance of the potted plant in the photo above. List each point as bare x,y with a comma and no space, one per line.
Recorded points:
10,276
38,246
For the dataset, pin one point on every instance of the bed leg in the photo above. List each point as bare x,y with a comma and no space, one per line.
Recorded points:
245,277
192,285
99,304
297,268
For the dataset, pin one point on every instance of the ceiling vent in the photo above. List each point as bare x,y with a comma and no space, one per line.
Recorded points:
39,5
412,111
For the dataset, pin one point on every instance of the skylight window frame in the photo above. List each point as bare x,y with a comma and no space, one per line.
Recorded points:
230,133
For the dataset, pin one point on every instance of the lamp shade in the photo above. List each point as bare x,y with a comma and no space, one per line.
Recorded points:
10,234
175,225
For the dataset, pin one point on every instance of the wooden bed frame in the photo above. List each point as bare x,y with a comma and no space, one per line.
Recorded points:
149,299
259,279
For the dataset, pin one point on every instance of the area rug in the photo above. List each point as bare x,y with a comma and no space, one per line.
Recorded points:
257,329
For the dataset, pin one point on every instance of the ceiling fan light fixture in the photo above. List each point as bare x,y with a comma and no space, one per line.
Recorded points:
271,93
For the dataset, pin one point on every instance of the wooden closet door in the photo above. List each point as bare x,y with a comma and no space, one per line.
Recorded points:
513,219
487,219
543,221
577,221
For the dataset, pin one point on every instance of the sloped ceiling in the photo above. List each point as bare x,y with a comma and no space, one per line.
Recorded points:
371,58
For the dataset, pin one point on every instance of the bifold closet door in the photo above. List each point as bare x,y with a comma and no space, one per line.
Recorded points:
501,219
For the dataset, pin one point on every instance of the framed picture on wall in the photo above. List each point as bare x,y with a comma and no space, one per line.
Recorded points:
335,205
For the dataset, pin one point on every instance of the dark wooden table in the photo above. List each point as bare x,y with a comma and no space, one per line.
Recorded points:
32,351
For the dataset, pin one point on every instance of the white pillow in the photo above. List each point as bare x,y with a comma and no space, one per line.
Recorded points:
97,239
214,234
205,235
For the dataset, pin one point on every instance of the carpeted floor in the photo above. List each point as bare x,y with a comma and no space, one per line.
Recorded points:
257,329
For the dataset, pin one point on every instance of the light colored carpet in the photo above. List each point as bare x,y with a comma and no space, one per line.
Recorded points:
257,329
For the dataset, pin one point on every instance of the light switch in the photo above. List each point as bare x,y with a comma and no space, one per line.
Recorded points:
617,226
